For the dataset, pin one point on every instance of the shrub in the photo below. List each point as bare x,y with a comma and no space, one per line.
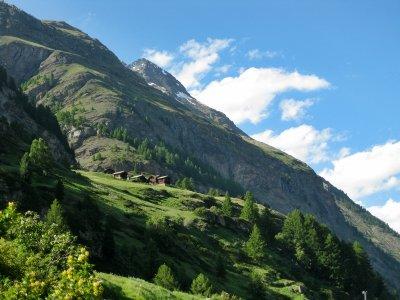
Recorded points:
38,260
201,285
165,278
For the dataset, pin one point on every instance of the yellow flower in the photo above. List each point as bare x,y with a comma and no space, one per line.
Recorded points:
70,259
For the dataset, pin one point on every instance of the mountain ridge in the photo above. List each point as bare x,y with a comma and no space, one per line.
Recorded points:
85,74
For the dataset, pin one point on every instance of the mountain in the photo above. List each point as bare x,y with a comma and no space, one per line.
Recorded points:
162,80
141,118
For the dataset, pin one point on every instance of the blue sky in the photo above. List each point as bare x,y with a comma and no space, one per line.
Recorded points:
337,63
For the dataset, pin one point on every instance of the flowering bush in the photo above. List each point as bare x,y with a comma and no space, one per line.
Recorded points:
37,261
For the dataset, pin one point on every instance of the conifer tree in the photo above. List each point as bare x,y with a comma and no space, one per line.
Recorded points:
165,278
201,285
227,206
24,167
55,215
255,246
249,211
266,225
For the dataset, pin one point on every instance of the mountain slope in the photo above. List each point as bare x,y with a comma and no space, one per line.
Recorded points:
94,95
20,123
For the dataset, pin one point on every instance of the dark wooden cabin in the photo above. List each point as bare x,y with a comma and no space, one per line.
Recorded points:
139,178
121,175
164,180
109,171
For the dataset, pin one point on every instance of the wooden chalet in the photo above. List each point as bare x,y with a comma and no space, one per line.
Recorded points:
156,179
120,175
108,171
165,180
139,178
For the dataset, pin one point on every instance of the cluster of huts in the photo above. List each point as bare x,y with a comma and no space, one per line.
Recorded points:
151,179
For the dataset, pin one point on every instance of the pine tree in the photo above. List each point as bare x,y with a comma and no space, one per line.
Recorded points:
331,259
55,215
165,278
201,285
24,167
227,206
255,246
266,225
249,211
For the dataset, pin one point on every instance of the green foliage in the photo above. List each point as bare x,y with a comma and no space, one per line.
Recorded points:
181,163
97,157
38,80
38,260
165,278
227,206
24,168
55,216
40,114
323,254
185,184
40,156
120,134
255,246
266,224
213,192
249,211
256,287
201,285
71,117
200,211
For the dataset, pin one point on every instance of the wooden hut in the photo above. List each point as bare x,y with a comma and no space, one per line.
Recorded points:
139,178
121,175
109,171
164,180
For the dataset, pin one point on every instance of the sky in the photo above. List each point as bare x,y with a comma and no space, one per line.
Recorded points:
317,79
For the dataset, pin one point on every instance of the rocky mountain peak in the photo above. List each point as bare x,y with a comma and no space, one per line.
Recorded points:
160,79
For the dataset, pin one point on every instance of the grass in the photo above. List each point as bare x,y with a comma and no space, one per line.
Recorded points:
196,243
118,287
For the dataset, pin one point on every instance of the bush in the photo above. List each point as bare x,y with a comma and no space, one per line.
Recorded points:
38,260
165,278
201,212
201,285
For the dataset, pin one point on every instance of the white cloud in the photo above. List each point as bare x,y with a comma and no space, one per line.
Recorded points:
293,109
367,172
161,58
248,96
389,213
258,54
222,69
201,57
303,142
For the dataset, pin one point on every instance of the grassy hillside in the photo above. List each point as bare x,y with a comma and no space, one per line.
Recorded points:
133,288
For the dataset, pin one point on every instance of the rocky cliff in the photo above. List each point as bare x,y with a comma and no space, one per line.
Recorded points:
94,94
